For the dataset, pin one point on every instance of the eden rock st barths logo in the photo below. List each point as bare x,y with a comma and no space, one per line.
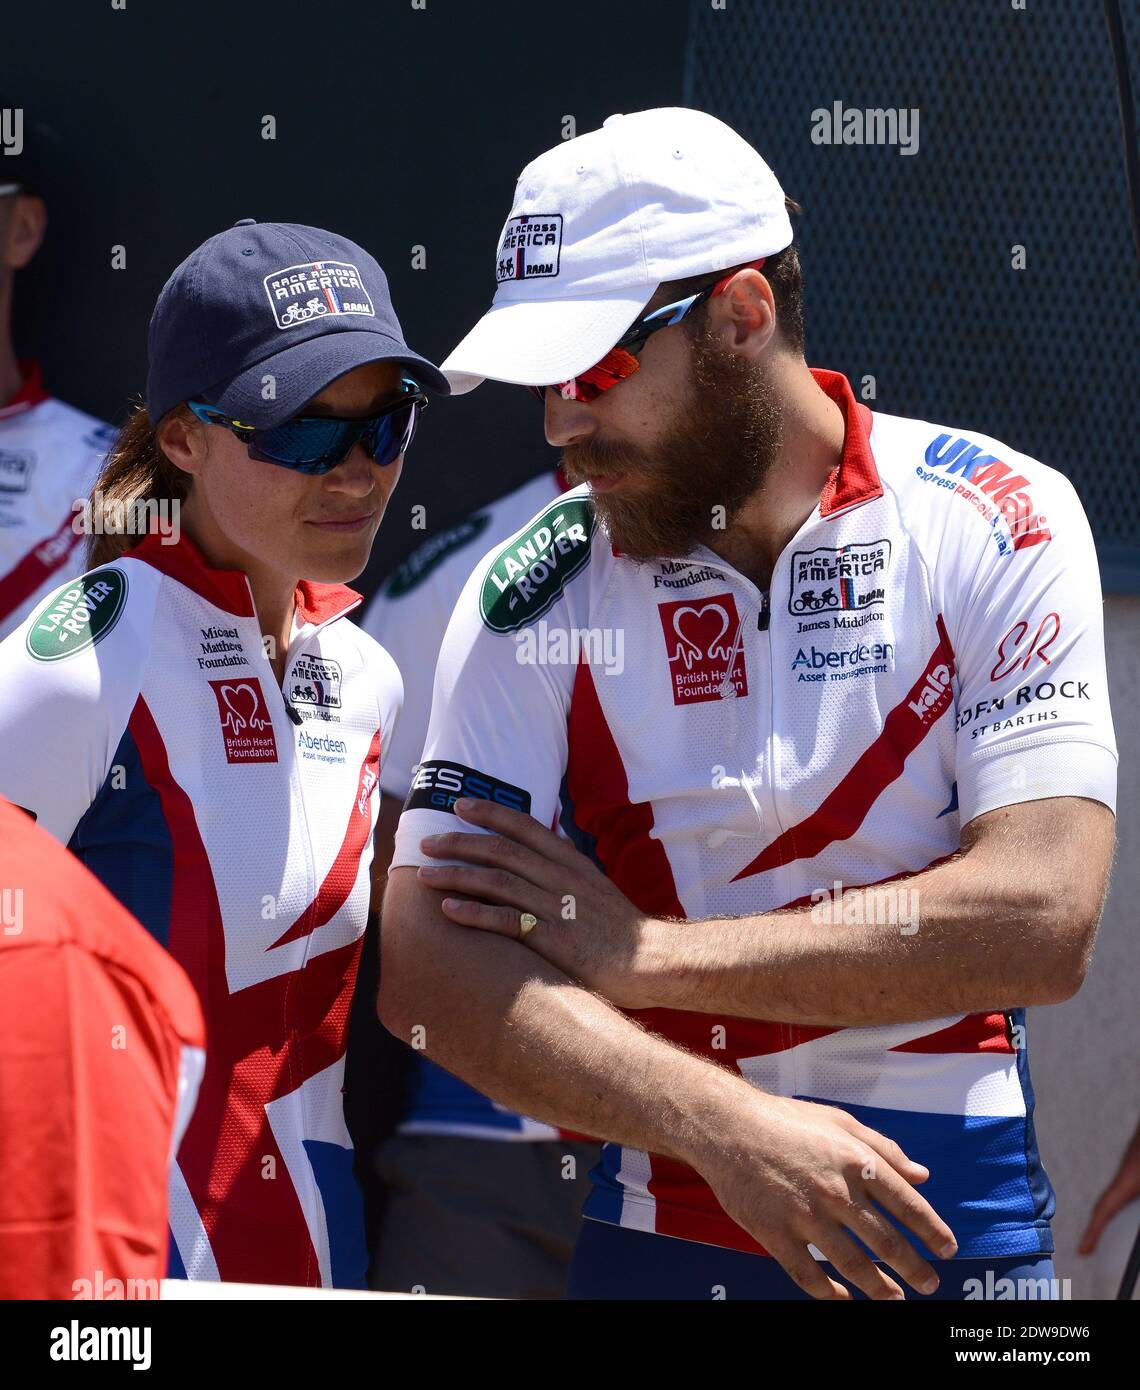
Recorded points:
78,615
527,576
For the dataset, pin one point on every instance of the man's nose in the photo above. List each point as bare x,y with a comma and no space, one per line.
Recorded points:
567,421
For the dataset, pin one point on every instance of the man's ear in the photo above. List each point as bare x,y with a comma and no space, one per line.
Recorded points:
745,314
25,232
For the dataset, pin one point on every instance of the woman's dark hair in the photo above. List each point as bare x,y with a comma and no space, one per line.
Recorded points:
136,470
782,271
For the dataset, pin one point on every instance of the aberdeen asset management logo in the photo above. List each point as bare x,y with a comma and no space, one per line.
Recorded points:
703,645
531,247
246,724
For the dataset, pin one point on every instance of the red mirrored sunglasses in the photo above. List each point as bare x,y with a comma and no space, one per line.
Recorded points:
621,361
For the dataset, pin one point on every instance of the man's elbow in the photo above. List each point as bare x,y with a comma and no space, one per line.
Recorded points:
404,996
1058,966
401,1000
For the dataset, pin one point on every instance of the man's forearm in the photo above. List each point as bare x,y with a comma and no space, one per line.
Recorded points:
989,929
515,1027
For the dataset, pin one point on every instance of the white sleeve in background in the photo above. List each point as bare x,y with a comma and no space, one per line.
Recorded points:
410,628
410,612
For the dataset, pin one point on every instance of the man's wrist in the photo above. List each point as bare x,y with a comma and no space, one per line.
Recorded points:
651,981
668,967
713,1112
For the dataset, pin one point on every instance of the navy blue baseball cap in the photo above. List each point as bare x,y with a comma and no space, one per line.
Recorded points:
272,309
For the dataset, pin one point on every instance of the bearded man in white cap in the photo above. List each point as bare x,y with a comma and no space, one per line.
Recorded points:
770,771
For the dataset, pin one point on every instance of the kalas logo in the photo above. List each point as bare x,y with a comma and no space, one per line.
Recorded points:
997,480
929,698
367,782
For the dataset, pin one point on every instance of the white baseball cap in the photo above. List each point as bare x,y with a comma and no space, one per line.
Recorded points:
598,223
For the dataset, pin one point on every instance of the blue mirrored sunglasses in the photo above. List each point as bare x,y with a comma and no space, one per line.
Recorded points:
317,443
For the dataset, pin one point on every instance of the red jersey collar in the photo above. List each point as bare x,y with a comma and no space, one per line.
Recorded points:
856,479
229,590
31,391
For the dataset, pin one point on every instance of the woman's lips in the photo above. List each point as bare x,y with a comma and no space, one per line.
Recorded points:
356,523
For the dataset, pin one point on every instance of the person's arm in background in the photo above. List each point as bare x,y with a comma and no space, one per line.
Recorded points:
385,843
1123,1189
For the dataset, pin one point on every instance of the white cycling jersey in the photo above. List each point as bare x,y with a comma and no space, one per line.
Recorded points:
930,649
144,727
50,457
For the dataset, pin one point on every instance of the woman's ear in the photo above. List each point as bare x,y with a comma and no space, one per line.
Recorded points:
180,437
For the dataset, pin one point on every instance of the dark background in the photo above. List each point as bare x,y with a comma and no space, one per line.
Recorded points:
395,127
401,127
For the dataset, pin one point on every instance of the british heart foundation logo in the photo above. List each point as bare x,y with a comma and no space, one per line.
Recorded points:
246,725
704,648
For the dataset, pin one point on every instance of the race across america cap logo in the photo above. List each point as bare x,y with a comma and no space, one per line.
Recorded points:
531,247
301,293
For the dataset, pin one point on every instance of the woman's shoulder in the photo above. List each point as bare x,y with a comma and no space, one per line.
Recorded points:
108,608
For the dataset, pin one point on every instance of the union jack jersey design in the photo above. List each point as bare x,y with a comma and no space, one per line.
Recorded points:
145,728
930,649
50,457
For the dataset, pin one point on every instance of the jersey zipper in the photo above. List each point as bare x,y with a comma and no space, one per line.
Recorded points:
297,792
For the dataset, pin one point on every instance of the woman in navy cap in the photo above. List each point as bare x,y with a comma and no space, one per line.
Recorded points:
198,720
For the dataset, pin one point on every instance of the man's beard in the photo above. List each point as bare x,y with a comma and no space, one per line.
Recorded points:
691,487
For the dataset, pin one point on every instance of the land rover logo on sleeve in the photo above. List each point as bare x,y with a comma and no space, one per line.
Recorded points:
78,616
301,293
527,576
531,247
839,578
